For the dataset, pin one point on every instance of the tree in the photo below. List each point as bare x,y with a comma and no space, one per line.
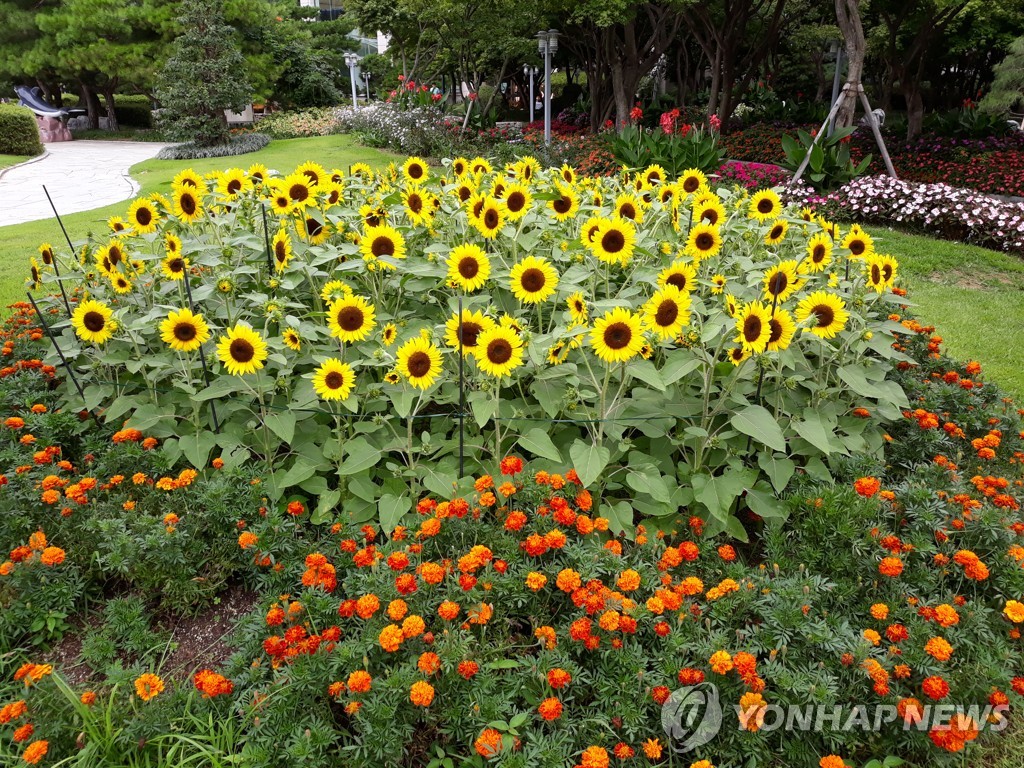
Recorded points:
204,76
1008,87
848,18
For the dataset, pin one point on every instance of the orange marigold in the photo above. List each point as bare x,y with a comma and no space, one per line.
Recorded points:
148,686
421,694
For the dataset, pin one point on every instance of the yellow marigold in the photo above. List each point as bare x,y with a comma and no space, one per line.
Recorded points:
721,662
148,686
536,581
421,694
391,638
1014,611
652,748
871,636
939,649
880,611
413,626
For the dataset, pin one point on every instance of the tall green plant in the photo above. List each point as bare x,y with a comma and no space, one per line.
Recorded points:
830,165
637,147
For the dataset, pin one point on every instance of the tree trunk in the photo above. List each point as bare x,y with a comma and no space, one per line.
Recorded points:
91,103
108,98
848,18
915,107
622,99
716,82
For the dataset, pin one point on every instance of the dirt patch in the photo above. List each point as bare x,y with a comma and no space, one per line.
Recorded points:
202,640
66,655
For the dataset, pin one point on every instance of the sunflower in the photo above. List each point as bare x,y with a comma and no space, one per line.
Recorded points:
753,326
557,353
819,253
732,306
691,180
680,275
783,328
629,207
417,206
281,247
777,233
507,321
292,339
654,174
711,211
242,350
825,311
392,377
617,336
91,321
875,275
858,242
889,269
175,266
187,204
110,256
589,229
765,205
382,241
46,253
120,283
473,324
703,241
312,230
490,217
315,172
460,166
334,194
415,170
781,281
419,361
233,183
299,190
829,228
718,284
189,178
565,205
334,379
184,331
172,244
464,191
143,216
667,311
373,215
480,165
614,241
807,214
280,203
351,318
577,307
117,224
738,355
568,173
499,351
257,174
517,199
334,290
667,193
361,171
468,267
533,280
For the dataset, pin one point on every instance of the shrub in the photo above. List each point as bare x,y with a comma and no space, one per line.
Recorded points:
674,149
239,144
19,134
829,164
294,125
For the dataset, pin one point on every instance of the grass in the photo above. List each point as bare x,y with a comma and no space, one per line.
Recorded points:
7,161
974,297
18,242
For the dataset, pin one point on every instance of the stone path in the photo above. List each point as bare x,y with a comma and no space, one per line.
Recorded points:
80,176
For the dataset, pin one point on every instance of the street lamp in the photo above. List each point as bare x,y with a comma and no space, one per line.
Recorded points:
352,59
547,44
366,80
530,72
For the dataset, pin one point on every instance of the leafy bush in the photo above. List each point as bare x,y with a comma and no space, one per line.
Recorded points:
238,144
294,125
830,165
968,122
19,134
676,151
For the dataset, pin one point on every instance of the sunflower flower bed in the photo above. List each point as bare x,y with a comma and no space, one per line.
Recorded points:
506,625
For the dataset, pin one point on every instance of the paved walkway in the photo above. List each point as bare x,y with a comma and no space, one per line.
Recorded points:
80,176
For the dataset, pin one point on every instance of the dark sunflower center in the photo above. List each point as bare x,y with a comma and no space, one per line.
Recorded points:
857,247
187,203
591,232
468,332
311,175
118,226
298,192
876,274
499,351
499,189
176,265
736,354
350,318
776,232
334,197
383,246
415,203
418,364
752,328
334,380
515,201
94,321
234,185
491,218
765,206
241,351
115,255
618,335
563,204
469,267
887,271
372,220
711,215
35,274
464,193
144,216
824,314
818,254
47,256
578,306
533,280
705,241
313,227
281,251
459,169
627,211
185,331
691,184
778,283
677,279
667,313
776,328
415,171
653,176
613,241
568,175
477,208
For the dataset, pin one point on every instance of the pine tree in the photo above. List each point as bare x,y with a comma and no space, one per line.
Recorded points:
204,76
1008,87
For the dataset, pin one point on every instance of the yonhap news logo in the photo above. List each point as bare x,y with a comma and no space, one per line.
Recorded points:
692,716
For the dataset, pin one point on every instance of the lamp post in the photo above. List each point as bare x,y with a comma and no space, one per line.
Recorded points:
366,79
352,59
547,44
530,72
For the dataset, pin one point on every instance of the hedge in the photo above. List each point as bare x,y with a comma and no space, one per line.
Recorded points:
19,134
131,111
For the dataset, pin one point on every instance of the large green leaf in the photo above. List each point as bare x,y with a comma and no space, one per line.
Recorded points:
812,429
361,456
392,510
778,468
759,423
537,442
197,447
325,506
282,424
589,460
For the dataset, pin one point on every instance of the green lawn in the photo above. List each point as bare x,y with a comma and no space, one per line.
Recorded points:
8,160
18,242
974,297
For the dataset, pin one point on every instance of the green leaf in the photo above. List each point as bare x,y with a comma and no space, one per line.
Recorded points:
483,405
439,482
361,456
717,493
779,470
678,367
325,506
812,429
589,460
537,442
300,471
362,488
765,504
282,424
392,510
197,447
759,423
619,515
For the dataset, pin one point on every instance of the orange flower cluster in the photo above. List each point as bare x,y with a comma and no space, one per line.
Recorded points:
184,479
955,735
867,486
148,686
319,573
973,567
296,640
210,684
